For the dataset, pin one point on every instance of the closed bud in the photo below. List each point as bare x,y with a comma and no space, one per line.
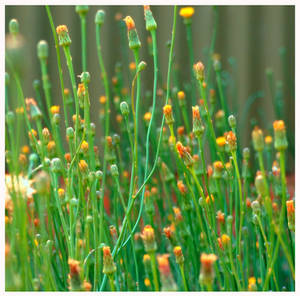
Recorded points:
56,165
246,153
141,66
256,207
85,77
114,170
82,9
232,121
13,26
109,267
42,50
70,133
99,175
124,108
280,142
199,71
148,238
150,21
46,135
198,127
258,139
99,17
133,38
260,185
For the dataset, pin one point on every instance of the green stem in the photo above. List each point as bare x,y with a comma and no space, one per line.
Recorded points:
154,271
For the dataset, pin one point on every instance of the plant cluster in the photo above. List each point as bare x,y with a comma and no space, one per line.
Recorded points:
147,206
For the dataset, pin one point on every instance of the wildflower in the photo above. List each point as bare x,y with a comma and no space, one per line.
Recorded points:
218,169
209,199
252,284
147,282
168,114
231,141
198,128
148,238
67,157
178,255
63,35
280,142
184,154
150,21
181,187
32,134
181,95
221,141
177,213
75,282
19,110
291,214
32,106
168,231
133,38
166,277
199,71
260,185
147,116
87,286
109,267
54,109
22,159
225,240
186,12
84,146
248,202
102,100
51,147
268,140
83,166
207,273
220,217
180,130
61,192
258,139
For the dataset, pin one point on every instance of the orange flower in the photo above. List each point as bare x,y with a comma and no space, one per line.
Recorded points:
181,95
129,23
54,109
196,112
61,29
186,12
221,141
278,125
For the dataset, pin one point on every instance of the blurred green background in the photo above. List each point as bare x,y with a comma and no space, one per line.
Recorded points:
249,40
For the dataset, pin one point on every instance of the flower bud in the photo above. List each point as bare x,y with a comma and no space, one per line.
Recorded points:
198,127
109,267
168,114
258,139
199,71
166,277
280,142
141,66
256,207
150,21
56,165
83,166
207,272
63,35
148,238
13,26
114,170
82,9
291,214
178,255
252,284
246,153
260,185
42,50
133,38
231,141
232,121
70,133
85,77
124,108
218,169
184,154
99,17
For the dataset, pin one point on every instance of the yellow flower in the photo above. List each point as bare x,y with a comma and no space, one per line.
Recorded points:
186,12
